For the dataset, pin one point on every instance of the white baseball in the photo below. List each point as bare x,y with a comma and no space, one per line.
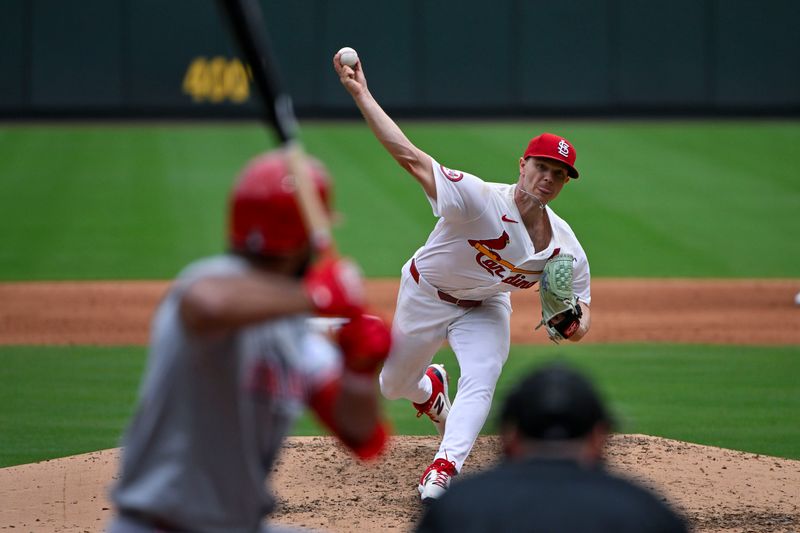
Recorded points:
348,56
797,299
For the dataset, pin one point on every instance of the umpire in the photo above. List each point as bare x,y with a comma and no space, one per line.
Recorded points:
553,429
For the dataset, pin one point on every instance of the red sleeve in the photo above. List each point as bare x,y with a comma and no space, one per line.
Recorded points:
322,402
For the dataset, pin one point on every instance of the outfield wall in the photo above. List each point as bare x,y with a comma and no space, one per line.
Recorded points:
173,58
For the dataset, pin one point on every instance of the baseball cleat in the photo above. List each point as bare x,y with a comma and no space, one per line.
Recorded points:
436,479
438,405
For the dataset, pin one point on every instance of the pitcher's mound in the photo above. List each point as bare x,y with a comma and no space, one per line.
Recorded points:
321,486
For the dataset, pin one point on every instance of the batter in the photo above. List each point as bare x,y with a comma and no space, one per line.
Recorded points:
490,239
233,362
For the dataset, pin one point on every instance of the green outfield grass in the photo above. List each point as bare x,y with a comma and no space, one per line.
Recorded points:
59,401
690,199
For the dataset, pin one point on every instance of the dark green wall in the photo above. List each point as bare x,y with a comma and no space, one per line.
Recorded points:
508,57
14,56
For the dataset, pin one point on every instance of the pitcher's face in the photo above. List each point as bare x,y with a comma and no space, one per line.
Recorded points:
542,177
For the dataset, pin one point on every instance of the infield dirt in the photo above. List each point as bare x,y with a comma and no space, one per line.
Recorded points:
320,486
750,312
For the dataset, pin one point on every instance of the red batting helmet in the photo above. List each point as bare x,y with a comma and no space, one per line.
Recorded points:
263,215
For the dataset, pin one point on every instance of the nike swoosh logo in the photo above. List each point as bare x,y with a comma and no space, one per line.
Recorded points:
504,218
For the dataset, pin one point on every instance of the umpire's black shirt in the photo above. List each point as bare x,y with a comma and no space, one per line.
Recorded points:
548,496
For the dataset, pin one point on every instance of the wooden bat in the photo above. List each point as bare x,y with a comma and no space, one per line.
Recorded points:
247,24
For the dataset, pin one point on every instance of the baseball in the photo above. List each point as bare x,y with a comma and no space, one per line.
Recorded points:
348,56
797,299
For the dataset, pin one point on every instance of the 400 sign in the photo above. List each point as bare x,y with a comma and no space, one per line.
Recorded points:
217,79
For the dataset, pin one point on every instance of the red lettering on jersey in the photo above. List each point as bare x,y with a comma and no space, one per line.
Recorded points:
487,256
493,262
518,280
452,175
268,380
491,266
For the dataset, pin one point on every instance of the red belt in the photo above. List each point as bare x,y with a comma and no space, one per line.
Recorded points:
443,295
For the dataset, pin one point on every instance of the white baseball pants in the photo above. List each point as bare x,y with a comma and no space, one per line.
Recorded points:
480,338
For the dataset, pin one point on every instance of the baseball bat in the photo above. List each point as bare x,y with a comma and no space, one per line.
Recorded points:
249,30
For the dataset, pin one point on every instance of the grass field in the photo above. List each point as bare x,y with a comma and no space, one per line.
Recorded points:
62,401
656,199
673,199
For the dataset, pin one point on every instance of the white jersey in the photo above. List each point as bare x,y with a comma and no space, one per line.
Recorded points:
213,413
480,246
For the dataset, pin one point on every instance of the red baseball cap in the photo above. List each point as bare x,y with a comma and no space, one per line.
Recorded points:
553,147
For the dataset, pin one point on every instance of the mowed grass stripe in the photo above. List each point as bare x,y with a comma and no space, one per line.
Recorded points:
62,401
59,401
676,199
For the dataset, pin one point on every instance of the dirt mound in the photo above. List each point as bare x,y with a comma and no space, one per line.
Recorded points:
716,489
320,486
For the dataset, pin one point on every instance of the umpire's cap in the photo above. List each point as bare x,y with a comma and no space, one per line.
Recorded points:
554,402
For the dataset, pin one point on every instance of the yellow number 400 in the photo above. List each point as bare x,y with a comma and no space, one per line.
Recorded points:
216,80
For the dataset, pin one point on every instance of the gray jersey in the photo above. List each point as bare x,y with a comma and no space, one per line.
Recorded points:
213,412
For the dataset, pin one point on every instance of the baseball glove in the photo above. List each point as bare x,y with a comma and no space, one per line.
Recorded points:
561,314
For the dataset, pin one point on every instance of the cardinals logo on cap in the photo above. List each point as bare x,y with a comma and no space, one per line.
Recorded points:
551,146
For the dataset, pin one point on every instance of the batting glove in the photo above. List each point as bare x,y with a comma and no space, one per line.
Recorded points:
335,287
365,343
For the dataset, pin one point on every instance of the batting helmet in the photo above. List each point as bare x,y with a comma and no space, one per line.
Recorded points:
263,216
